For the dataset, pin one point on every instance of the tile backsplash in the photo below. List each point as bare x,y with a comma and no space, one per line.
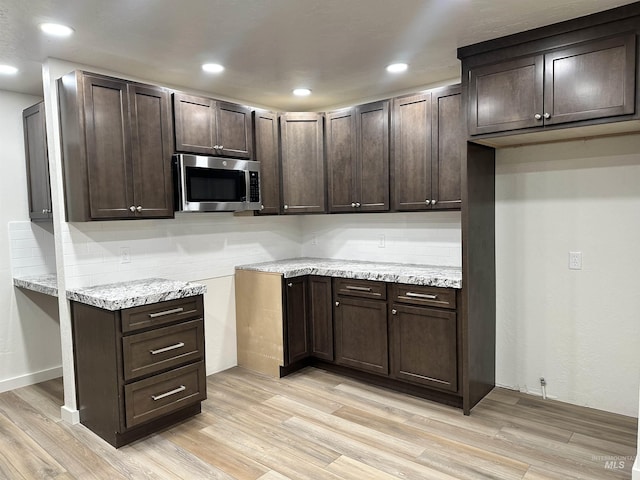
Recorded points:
32,249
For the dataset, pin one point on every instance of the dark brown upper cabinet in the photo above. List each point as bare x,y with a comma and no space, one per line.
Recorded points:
302,163
212,127
428,141
358,158
116,144
37,162
266,152
585,81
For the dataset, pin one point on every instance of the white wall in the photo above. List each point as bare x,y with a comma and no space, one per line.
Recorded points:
431,238
29,329
579,329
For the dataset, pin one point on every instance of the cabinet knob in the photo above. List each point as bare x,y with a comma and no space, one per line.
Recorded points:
261,207
289,284
394,312
353,204
286,207
221,147
139,208
427,201
358,204
216,147
132,208
537,116
337,304
434,201
46,210
547,115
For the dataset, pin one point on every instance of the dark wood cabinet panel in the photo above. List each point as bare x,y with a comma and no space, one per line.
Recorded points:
194,123
590,80
412,151
116,146
266,152
37,162
297,332
210,127
341,160
233,127
321,317
372,136
423,346
361,339
302,163
151,150
449,146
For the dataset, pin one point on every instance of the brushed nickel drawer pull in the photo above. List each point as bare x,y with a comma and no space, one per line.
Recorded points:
181,388
421,295
166,349
166,312
359,289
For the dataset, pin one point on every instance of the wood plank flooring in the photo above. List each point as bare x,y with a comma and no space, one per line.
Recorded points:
316,425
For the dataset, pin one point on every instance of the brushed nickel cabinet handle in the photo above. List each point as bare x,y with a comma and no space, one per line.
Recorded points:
139,208
289,284
434,201
286,207
181,388
337,304
394,312
421,295
132,208
537,116
166,312
166,349
359,289
353,204
547,115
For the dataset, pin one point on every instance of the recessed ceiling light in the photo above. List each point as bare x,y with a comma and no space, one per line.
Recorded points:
212,67
56,29
8,70
302,92
397,67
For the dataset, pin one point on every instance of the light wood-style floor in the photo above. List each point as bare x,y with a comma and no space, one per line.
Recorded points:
316,425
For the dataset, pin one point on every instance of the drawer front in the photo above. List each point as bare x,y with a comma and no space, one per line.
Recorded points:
150,352
360,288
425,296
162,313
162,394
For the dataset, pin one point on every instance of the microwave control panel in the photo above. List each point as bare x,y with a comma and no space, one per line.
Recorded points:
254,187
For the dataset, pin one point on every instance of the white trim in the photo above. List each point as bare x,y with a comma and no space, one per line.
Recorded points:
30,379
70,415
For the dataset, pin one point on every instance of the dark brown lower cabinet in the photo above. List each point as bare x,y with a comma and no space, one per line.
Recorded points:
321,318
423,346
297,325
140,369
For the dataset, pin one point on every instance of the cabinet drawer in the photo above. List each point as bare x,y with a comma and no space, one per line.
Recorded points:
162,313
360,288
421,295
150,352
165,393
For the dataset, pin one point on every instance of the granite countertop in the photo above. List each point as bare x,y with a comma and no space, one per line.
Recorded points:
115,296
47,283
412,274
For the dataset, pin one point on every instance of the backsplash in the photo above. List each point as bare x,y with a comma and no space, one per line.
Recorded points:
427,238
32,248
190,247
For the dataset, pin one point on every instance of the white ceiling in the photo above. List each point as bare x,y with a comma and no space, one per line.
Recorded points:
338,48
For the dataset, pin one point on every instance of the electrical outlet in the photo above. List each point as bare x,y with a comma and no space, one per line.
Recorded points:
575,260
125,255
381,241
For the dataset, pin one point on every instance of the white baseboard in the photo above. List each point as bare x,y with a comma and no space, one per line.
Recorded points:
70,415
30,379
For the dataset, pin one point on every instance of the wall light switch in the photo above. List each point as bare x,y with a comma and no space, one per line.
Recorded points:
125,255
575,260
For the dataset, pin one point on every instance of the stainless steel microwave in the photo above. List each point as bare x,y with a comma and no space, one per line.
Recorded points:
215,184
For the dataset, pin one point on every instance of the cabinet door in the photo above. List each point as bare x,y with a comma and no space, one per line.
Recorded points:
423,346
372,136
194,123
233,130
297,336
266,138
449,145
320,317
37,161
591,80
506,96
412,152
107,136
361,334
151,150
341,160
303,174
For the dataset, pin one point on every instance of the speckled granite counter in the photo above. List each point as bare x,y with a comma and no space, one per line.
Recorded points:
47,284
434,276
116,296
